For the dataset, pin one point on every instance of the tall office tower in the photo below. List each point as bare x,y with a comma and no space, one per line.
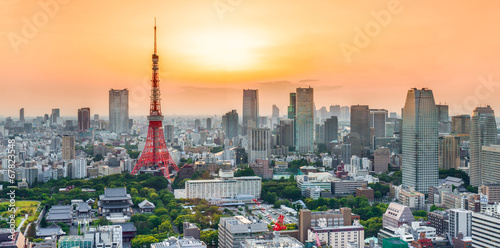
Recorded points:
21,115
292,108
96,117
483,132
68,147
378,118
118,111
335,111
259,144
45,118
420,141
444,119
320,133
449,152
155,154
460,222
382,158
169,133
346,153
209,123
443,113
197,124
360,125
292,114
83,119
460,124
56,113
331,130
250,109
276,115
490,162
305,120
345,113
230,124
286,134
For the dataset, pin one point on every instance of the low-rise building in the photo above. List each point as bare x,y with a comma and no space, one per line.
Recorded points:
59,213
338,236
439,220
185,242
234,230
115,203
366,191
277,241
146,206
397,215
413,199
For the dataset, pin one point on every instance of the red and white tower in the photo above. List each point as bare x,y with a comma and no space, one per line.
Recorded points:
155,154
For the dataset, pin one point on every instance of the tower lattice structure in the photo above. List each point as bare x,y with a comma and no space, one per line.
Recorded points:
155,154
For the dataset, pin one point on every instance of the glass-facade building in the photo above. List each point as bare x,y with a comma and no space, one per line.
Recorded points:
420,142
305,120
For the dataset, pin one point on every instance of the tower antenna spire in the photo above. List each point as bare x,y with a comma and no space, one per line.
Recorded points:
155,36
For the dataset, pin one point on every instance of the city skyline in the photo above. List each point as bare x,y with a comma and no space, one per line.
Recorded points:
209,56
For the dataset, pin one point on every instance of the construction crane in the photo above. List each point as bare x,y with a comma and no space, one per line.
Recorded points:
280,225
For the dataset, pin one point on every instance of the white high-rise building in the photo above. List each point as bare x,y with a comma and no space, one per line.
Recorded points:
460,222
305,120
420,141
118,111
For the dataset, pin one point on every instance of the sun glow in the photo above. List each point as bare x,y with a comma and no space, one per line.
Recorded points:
232,51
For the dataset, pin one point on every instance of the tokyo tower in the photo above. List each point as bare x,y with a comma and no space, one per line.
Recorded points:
155,154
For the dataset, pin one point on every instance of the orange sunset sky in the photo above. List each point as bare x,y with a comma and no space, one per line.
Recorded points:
68,54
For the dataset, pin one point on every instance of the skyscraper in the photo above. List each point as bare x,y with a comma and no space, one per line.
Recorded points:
259,144
118,111
250,109
378,119
230,124
83,119
331,130
21,115
305,120
276,115
56,113
449,152
483,132
169,132
292,108
68,147
360,125
420,142
460,124
490,162
286,134
209,123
